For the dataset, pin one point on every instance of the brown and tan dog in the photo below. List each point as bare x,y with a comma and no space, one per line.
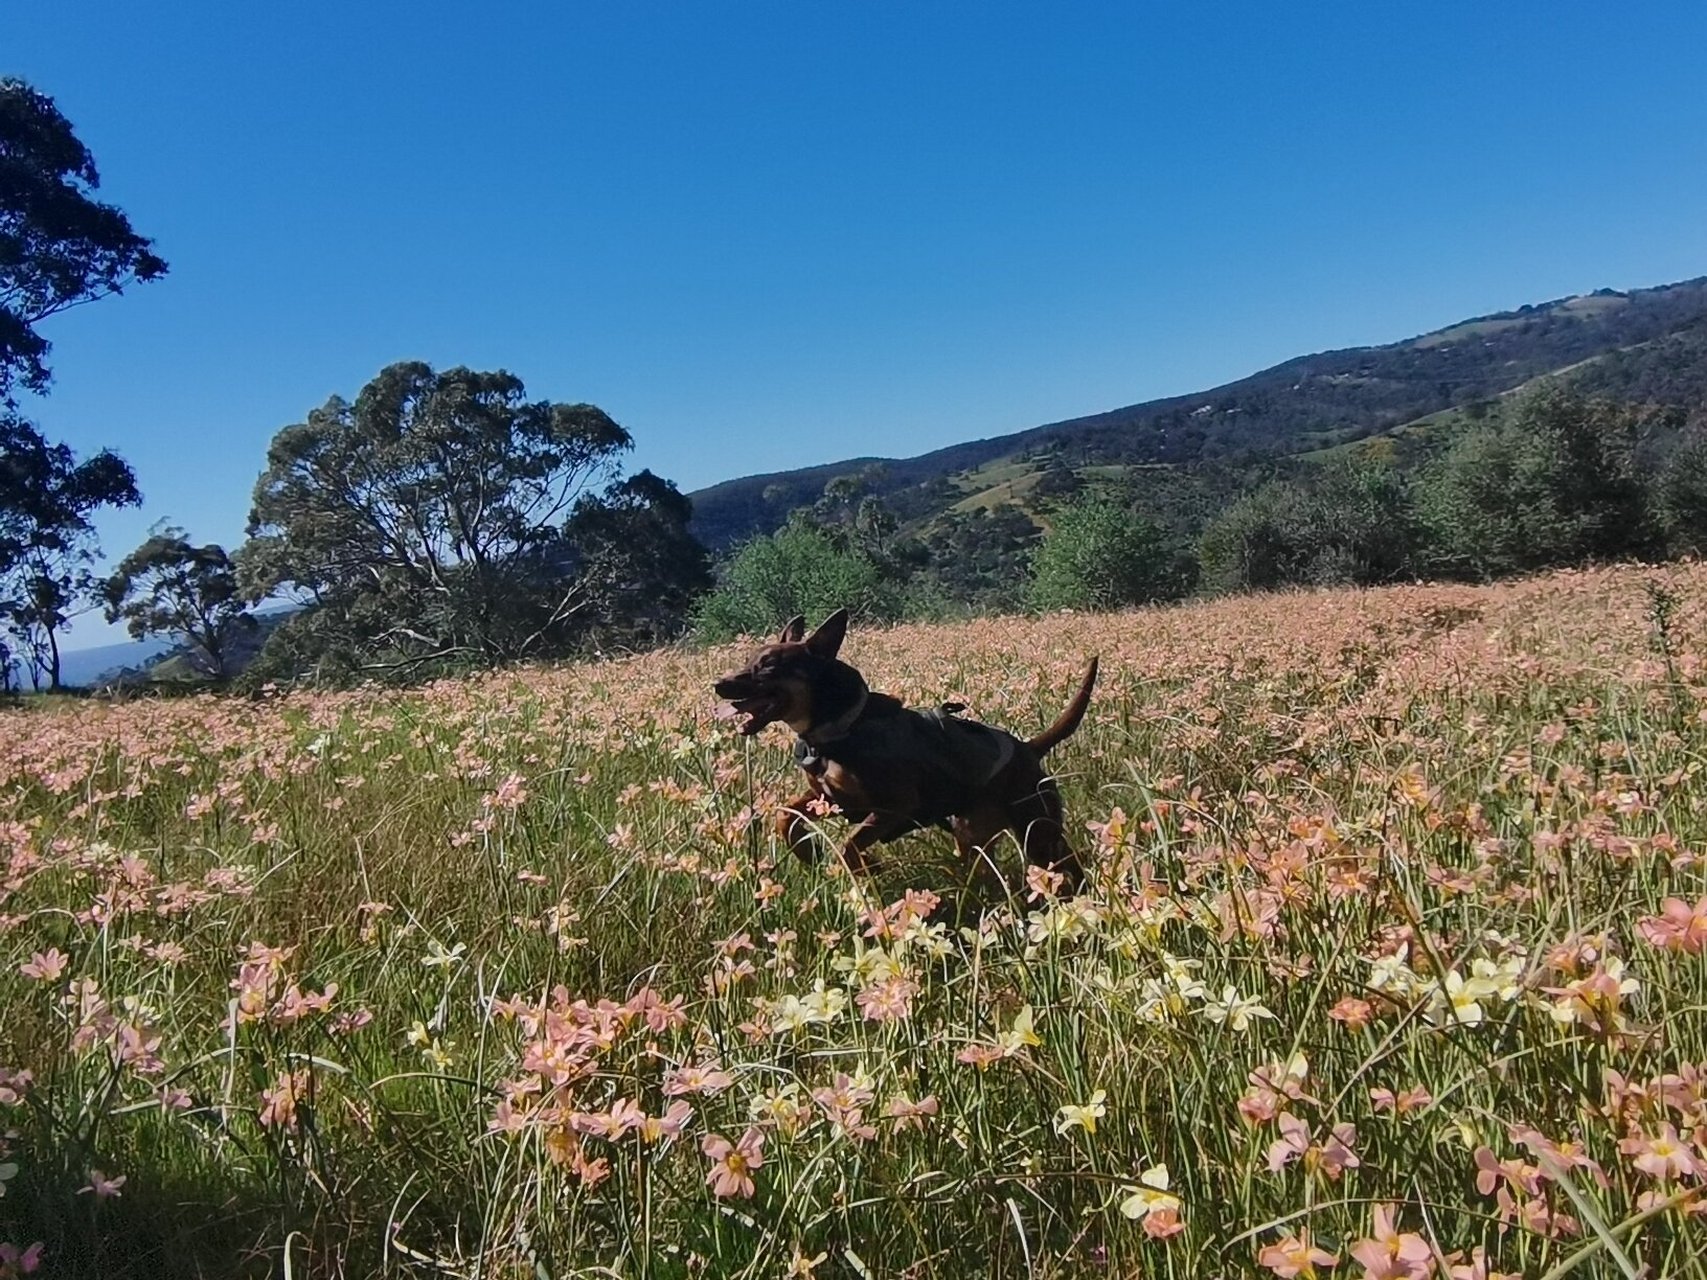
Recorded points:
891,769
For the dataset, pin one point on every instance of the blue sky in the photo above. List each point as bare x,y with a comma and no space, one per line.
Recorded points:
762,235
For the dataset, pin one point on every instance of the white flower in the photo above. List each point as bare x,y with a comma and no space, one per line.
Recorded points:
438,958
1459,1000
1150,1196
1392,975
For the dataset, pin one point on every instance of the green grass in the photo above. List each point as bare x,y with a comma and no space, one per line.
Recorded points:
1309,800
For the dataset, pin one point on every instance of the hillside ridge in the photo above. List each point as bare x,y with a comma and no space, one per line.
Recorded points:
1305,402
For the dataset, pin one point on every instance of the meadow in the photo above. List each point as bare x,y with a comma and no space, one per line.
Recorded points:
1393,967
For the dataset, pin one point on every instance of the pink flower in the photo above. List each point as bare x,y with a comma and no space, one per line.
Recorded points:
1400,1103
671,1123
1564,1155
1295,1256
45,966
1335,1155
624,1114
888,1001
278,1104
1042,884
14,1084
1678,927
512,793
1331,1157
1490,1172
1664,1155
702,1078
298,1004
844,1103
1163,1223
1393,1255
1293,1142
1477,1268
1540,1217
733,1163
350,1022
1259,1106
1355,1014
908,1114
103,1187
981,1055
19,1262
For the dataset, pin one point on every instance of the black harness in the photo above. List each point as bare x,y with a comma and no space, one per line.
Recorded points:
934,739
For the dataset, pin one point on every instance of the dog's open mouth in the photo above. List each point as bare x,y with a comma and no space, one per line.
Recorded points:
755,712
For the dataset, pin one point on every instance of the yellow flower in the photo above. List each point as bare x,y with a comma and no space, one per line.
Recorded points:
800,1267
1083,1117
1021,1034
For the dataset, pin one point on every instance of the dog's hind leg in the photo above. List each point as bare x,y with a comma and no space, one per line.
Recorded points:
975,836
1037,819
973,831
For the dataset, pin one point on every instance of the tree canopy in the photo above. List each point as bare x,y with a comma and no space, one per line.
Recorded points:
168,586
1553,480
436,519
797,569
47,537
58,246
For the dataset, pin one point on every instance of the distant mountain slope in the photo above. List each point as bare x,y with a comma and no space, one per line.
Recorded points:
81,667
1654,341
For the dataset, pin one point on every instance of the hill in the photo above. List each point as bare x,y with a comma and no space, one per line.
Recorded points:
1648,345
80,667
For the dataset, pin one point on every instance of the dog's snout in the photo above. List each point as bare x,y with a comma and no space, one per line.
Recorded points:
728,687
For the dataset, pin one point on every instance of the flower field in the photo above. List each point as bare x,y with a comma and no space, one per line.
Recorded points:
1394,968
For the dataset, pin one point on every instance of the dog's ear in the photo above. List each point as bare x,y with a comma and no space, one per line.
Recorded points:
827,639
794,630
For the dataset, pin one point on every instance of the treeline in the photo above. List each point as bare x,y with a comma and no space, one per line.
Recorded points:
443,521
440,521
1549,478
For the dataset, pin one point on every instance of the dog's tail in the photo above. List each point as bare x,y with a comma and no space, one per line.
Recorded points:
1068,719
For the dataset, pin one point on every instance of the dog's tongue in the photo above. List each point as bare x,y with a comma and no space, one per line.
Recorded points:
747,722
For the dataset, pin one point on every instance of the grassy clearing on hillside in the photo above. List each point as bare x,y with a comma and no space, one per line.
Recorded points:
1395,968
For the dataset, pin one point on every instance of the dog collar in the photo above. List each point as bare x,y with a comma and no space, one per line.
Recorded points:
838,728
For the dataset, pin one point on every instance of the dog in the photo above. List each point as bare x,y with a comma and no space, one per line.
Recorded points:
892,770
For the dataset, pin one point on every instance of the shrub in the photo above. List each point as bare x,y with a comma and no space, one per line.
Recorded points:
1102,556
797,569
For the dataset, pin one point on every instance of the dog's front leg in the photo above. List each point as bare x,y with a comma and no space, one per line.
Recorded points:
875,829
